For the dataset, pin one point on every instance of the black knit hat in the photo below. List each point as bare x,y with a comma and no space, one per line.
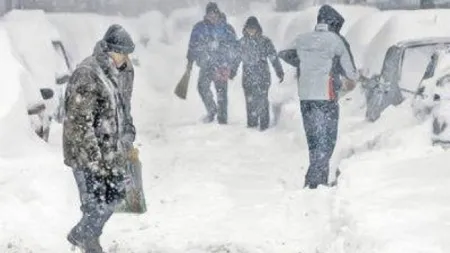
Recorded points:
118,40
212,7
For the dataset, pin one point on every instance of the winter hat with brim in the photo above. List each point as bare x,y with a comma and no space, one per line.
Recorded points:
118,40
252,23
328,15
212,7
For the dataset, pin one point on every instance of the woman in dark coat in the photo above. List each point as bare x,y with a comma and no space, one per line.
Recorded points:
254,51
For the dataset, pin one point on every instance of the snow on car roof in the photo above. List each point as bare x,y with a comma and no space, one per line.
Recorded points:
423,41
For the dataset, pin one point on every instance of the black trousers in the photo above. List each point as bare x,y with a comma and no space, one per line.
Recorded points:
204,88
256,84
320,121
99,197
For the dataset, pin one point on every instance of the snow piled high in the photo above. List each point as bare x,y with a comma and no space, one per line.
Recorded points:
16,135
212,188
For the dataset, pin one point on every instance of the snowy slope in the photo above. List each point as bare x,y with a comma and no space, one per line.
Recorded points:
214,188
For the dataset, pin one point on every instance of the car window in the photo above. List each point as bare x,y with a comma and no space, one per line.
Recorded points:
389,70
431,67
414,65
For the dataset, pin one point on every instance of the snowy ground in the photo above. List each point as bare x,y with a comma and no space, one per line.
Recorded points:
212,188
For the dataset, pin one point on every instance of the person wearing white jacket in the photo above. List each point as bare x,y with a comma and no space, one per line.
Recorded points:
317,54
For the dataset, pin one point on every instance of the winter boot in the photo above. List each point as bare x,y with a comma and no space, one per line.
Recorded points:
222,115
93,246
75,236
208,118
86,245
315,177
222,121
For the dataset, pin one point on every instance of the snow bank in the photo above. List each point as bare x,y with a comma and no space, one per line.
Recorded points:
152,25
353,14
80,32
362,33
180,23
284,27
16,135
32,36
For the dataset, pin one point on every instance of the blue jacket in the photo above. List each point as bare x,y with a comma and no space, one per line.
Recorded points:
212,45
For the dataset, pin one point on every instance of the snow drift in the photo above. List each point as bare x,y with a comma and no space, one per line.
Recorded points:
17,137
22,25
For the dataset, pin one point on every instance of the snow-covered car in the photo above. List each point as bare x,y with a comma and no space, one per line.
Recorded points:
53,95
403,69
39,49
432,98
427,93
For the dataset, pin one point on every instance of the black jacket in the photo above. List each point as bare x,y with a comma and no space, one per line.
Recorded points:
254,52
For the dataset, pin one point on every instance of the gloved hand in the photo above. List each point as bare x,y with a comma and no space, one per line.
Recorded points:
133,155
363,75
222,74
95,167
348,85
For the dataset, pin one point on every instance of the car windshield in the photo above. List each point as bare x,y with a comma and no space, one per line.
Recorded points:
62,66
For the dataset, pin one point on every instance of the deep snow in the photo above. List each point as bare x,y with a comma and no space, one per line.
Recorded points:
213,188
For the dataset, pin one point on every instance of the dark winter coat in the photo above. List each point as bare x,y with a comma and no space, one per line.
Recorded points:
254,52
95,123
212,45
126,85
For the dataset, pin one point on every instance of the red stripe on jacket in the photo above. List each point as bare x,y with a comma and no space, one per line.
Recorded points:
331,93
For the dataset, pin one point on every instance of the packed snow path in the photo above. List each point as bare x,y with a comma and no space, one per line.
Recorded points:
214,188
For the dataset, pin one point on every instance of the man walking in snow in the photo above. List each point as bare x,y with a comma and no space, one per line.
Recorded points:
254,49
211,47
94,135
322,57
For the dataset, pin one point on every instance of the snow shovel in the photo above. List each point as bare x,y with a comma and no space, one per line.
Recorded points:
183,84
134,201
